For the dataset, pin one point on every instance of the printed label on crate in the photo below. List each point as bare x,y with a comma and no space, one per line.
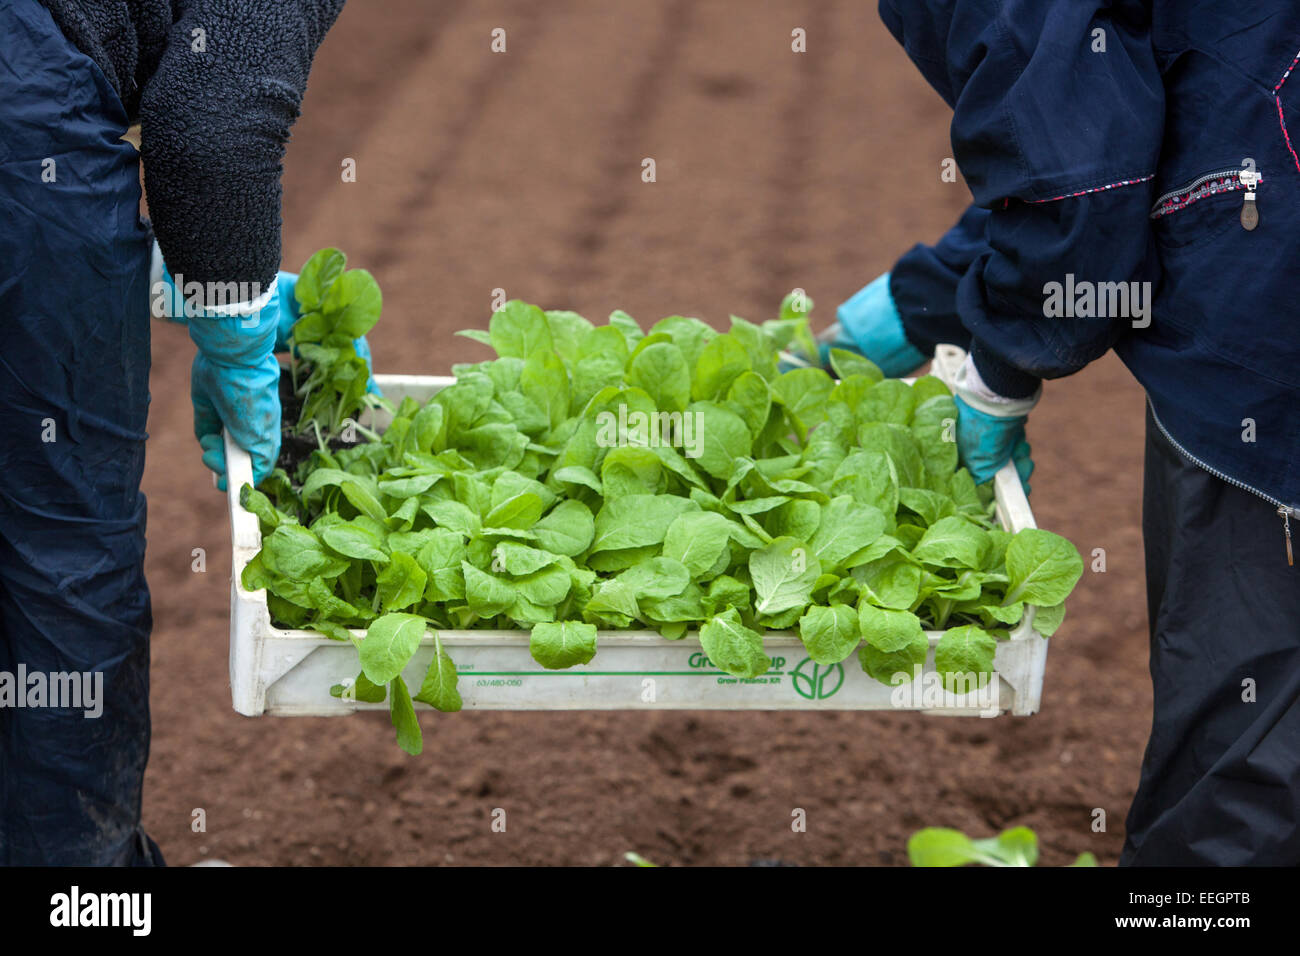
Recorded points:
645,677
622,677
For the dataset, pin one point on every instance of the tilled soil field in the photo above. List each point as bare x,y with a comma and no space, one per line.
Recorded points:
522,171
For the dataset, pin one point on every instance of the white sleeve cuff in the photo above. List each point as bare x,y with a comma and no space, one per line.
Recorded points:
975,393
166,301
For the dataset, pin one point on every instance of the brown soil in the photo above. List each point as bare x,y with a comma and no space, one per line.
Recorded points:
479,171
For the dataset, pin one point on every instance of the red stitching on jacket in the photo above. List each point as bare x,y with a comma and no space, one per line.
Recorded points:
1281,119
1183,200
1287,73
1285,135
1096,189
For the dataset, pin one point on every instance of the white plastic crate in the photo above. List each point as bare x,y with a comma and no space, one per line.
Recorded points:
290,672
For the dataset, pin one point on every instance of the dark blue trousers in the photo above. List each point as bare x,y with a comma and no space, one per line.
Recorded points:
74,396
1220,782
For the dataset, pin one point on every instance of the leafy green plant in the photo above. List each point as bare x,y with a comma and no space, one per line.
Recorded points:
1018,846
336,307
609,477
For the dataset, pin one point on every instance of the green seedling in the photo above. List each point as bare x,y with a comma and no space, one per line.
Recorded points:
609,477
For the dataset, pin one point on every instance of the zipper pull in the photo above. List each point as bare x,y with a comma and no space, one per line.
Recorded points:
1249,212
1286,514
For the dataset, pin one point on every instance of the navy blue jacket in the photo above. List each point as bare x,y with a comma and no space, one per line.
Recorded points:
1090,167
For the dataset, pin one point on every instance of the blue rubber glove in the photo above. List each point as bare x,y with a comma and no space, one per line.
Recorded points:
289,315
990,429
235,379
870,325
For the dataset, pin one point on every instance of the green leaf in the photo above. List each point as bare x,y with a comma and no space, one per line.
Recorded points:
931,506
682,608
335,632
354,302
804,391
316,277
656,578
389,645
453,516
927,387
869,478
564,644
800,519
361,499
889,630
940,846
252,500
751,397
783,573
361,689
486,595
402,714
521,511
889,666
847,528
900,445
637,521
661,371
614,598
688,334
1048,619
544,588
518,330
953,543
546,382
1018,846
401,583
568,329
410,486
696,539
963,655
631,471
602,355
478,335
721,438
890,582
352,539
1043,567
515,558
890,401
846,364
438,689
628,326
293,552
830,634
934,424
733,647
721,362
568,529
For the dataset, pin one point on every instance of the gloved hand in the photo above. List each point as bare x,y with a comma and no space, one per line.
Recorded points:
289,314
990,428
870,325
235,379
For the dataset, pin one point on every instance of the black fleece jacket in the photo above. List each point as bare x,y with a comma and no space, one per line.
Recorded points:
215,85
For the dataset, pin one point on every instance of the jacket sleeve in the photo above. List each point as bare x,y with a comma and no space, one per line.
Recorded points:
923,283
215,118
1058,110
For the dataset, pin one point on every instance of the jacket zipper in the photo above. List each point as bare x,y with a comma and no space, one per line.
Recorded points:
1285,512
1249,220
1249,179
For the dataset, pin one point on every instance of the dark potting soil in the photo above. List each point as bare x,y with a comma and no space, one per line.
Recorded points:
295,448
